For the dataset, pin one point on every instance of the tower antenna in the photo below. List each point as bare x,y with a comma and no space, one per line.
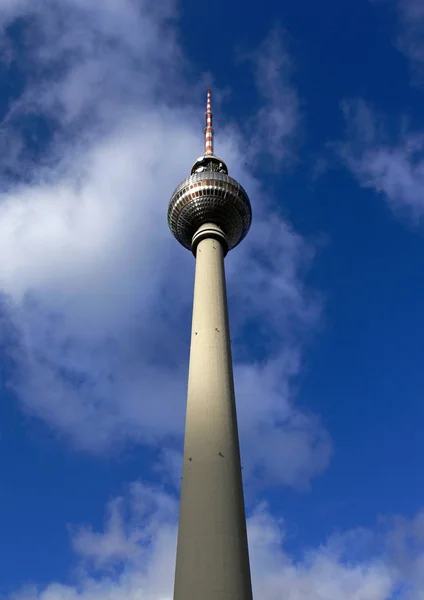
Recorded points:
208,128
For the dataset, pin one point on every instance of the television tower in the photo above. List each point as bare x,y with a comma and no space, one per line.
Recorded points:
209,213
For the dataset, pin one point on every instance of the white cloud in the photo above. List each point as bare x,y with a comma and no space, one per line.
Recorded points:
392,166
95,287
411,23
275,128
131,525
279,443
384,155
134,557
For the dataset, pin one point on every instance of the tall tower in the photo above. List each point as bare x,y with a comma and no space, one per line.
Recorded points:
209,213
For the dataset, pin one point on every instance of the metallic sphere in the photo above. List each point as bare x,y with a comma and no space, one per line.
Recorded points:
209,197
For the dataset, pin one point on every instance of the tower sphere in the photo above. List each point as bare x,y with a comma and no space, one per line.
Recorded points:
209,195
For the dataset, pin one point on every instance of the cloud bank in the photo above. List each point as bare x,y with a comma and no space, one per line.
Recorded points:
134,556
96,292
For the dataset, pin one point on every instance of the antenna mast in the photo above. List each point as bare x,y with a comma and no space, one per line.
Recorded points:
208,128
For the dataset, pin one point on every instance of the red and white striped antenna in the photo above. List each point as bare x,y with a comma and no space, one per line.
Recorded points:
208,128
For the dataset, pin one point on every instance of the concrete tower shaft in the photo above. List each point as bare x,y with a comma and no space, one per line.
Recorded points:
210,213
212,551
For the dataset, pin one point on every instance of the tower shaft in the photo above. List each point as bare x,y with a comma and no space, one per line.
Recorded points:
212,550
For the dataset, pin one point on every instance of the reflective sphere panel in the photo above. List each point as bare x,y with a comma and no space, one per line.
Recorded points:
209,197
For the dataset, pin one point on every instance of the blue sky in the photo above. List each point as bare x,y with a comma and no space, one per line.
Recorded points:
318,113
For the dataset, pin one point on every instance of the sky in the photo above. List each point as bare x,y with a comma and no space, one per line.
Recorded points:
318,114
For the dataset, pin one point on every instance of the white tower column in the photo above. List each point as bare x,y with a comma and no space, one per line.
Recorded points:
212,551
